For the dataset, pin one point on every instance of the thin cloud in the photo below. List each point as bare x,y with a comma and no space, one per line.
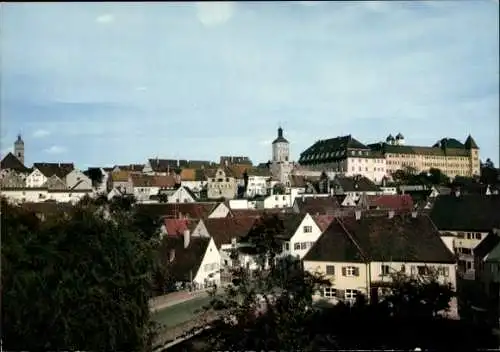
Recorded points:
55,149
104,19
214,13
41,133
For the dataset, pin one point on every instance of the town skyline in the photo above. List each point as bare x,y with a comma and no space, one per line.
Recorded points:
77,93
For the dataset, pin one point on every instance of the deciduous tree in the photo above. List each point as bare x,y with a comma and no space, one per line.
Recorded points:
76,282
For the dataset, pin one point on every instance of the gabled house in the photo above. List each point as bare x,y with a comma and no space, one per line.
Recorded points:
120,180
78,180
221,183
194,262
13,180
352,188
257,182
42,171
11,164
464,221
300,233
358,254
316,205
226,232
182,195
147,186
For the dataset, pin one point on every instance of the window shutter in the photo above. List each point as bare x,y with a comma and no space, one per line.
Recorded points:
344,271
340,294
356,271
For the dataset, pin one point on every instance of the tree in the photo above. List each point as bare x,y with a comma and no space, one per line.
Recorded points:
76,282
437,177
489,175
273,310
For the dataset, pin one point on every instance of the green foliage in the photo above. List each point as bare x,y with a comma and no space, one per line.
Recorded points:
273,309
76,282
409,176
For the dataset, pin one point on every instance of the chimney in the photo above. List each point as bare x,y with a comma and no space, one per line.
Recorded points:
172,255
357,213
414,214
187,237
391,214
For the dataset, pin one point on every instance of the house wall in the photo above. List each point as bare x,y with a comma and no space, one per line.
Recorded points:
463,242
221,211
411,268
209,267
239,204
450,165
26,195
76,176
181,196
276,201
257,185
143,193
221,186
340,282
68,196
35,179
302,241
372,168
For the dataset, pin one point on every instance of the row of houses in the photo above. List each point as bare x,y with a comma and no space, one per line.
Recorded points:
356,248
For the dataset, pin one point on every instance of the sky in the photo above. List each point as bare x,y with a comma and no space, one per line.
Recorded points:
116,83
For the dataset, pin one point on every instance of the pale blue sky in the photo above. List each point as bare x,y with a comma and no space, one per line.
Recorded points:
103,84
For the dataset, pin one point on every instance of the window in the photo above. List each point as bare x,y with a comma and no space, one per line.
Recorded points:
350,271
303,245
444,271
308,229
329,292
466,251
296,246
478,236
385,270
350,295
423,270
468,265
330,270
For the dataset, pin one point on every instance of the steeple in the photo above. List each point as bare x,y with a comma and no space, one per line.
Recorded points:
19,148
470,143
280,138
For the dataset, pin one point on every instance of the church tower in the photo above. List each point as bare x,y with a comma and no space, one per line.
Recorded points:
281,167
281,148
19,149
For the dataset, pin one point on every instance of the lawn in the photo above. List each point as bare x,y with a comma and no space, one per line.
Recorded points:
180,313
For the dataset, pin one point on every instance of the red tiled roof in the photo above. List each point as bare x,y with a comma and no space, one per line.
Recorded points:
255,213
176,227
323,221
394,202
